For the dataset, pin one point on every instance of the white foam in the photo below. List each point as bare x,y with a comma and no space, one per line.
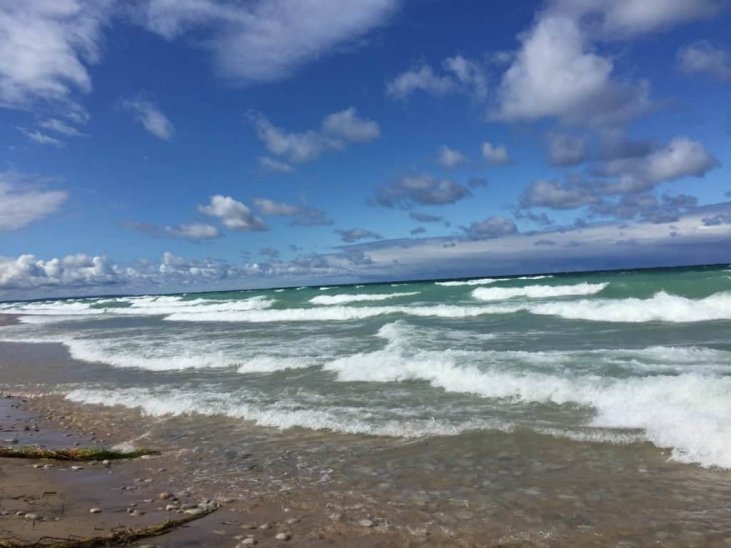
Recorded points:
152,358
487,281
687,413
482,281
662,307
270,364
339,313
283,414
137,306
536,291
356,298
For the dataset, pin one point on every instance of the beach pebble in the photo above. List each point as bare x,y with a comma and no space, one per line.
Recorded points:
95,510
32,517
194,511
171,507
165,495
77,468
265,526
248,542
106,462
366,523
247,526
11,441
283,536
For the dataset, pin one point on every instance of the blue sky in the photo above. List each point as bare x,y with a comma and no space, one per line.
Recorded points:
160,145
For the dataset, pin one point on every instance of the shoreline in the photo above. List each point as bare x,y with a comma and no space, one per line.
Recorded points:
40,498
546,511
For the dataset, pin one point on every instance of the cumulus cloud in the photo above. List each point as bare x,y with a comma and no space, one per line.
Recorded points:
46,47
305,215
420,190
151,117
356,234
347,125
23,201
459,75
646,207
192,231
565,150
556,195
703,58
29,272
337,131
425,217
491,227
232,213
270,207
682,157
554,74
266,40
449,157
495,154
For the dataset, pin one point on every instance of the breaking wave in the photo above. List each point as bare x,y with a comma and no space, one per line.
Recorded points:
357,298
536,291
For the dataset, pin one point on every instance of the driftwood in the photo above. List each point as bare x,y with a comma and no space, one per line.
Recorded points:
72,454
118,537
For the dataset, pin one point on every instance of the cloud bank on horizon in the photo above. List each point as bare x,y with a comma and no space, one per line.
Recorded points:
156,145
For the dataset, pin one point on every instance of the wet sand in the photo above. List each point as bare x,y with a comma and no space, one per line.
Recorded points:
45,499
509,499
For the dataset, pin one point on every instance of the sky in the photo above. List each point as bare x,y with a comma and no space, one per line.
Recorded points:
191,145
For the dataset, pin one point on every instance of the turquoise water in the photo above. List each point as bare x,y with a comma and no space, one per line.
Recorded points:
617,358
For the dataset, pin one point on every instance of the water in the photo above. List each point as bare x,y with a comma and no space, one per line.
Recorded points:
614,372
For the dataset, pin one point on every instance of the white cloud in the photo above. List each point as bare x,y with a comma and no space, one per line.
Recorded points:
622,18
682,157
355,234
232,213
337,131
192,231
151,118
495,154
460,75
347,125
555,195
306,216
41,138
420,190
492,227
554,75
702,57
449,157
59,126
22,203
270,207
270,164
45,49
267,40
71,271
565,150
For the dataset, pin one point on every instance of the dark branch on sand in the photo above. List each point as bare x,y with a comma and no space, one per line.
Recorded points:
119,537
84,454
